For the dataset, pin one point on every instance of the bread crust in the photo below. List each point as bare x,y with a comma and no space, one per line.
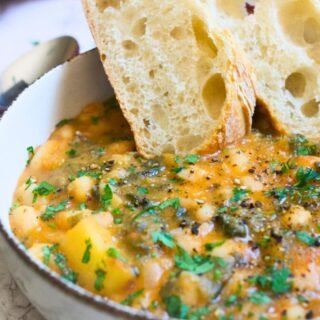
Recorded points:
235,120
281,40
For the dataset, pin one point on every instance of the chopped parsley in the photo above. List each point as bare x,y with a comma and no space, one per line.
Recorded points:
276,280
82,206
71,152
163,237
175,307
131,297
307,239
211,246
30,181
305,175
87,253
232,299
92,174
43,189
143,190
30,151
259,297
196,264
192,159
302,147
47,252
100,278
238,194
61,262
198,313
153,209
51,211
106,197
174,203
114,253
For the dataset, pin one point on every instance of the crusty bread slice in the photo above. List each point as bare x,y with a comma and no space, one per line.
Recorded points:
182,87
282,41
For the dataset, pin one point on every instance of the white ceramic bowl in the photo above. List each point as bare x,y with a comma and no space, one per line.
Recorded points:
60,94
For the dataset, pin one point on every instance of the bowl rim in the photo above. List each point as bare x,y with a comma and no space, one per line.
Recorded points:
75,291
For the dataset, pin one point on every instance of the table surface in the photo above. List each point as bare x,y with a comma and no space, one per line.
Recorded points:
23,23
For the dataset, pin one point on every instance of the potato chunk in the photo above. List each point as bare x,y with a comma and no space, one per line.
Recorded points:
118,274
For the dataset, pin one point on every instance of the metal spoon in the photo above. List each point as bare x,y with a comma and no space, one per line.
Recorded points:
30,67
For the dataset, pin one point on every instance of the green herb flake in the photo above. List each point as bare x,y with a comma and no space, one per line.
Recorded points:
51,211
31,153
63,122
232,299
118,220
71,153
30,181
192,159
154,305
212,245
106,197
239,194
175,307
260,297
131,297
92,174
95,119
132,169
47,252
305,175
276,280
143,190
217,274
113,182
174,203
302,299
13,207
178,169
43,189
198,313
195,264
302,147
67,274
87,252
306,238
100,278
163,237
82,206
114,253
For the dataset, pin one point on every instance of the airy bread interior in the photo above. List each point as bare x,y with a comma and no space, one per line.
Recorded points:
182,85
282,41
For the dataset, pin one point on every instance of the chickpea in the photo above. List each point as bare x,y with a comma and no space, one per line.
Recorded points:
105,219
194,174
252,184
50,156
296,313
81,188
24,194
152,273
186,240
205,213
297,217
121,147
238,158
24,220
